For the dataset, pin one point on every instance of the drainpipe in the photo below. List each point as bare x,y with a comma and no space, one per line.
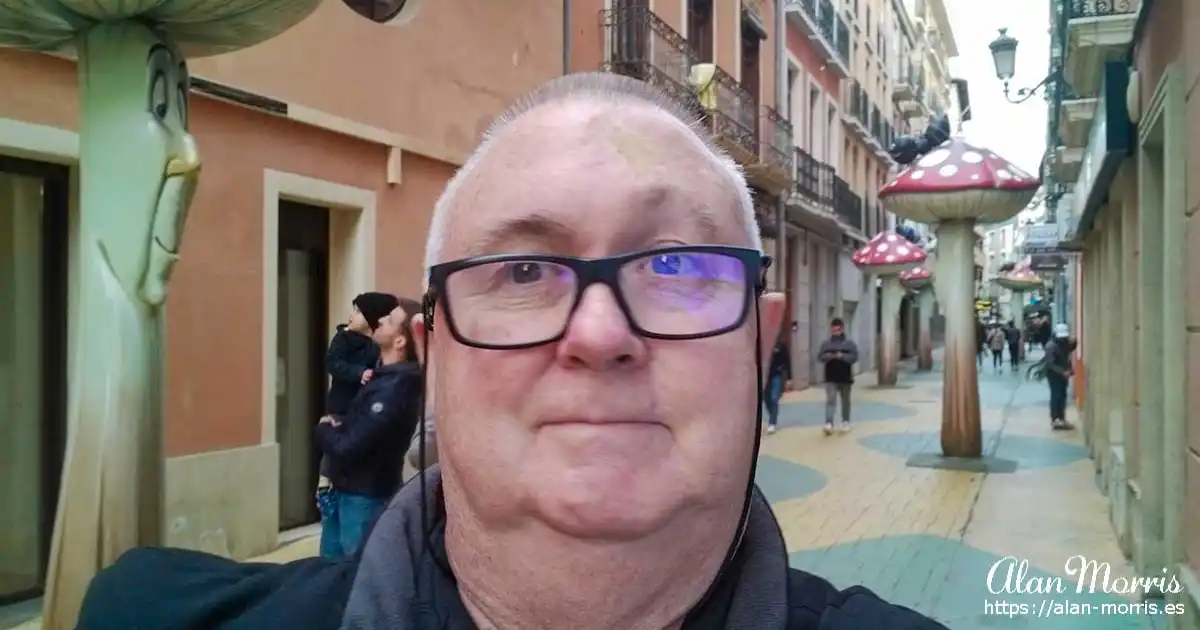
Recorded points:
566,37
781,94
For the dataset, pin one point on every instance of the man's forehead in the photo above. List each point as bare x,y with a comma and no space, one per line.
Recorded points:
579,162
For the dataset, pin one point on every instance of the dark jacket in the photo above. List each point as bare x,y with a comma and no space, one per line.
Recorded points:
1058,358
839,371
781,361
366,452
350,354
400,582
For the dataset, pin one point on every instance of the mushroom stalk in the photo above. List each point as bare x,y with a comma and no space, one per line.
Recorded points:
925,302
889,343
139,169
954,280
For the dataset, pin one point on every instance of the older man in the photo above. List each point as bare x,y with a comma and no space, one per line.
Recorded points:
594,325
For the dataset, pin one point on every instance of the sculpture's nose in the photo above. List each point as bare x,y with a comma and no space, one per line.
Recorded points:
185,158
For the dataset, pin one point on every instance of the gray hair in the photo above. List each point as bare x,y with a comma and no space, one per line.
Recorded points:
597,87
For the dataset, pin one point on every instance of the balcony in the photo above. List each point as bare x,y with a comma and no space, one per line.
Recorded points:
1075,121
909,92
846,205
642,46
857,112
774,170
814,182
820,21
1098,31
731,113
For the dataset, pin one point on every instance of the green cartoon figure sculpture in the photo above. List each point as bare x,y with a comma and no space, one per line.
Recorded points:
138,170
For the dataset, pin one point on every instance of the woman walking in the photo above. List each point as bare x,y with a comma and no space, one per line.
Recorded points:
996,341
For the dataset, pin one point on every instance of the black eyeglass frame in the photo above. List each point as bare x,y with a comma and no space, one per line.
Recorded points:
589,271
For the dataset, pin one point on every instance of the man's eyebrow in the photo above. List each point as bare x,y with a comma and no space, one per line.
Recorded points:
531,227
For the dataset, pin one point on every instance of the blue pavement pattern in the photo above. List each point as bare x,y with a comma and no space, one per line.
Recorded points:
1027,451
854,513
781,480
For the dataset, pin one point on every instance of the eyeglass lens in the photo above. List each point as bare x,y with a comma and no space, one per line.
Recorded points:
514,302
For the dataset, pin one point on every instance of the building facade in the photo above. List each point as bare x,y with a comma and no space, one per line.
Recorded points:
324,151
1123,169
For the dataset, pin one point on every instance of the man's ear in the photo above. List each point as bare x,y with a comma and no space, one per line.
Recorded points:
420,336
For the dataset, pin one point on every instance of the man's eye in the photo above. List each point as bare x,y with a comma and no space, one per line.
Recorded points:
525,272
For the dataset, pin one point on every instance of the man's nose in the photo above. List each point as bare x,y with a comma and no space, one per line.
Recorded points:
598,335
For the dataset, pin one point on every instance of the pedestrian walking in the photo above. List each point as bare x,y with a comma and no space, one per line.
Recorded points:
365,446
1059,371
1013,335
980,342
996,341
839,355
350,362
779,374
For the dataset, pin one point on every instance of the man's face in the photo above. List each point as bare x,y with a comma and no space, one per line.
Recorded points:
836,330
603,433
390,331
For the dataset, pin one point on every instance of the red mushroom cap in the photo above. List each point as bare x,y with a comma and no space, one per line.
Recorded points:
1021,278
916,277
889,254
932,189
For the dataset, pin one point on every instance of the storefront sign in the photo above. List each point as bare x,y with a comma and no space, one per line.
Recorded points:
1109,141
1041,239
1047,262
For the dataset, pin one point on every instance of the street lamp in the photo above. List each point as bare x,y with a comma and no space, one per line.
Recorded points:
1004,56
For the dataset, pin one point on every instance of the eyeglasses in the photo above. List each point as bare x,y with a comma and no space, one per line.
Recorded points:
508,302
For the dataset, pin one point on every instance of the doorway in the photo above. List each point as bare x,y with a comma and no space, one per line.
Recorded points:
302,329
33,375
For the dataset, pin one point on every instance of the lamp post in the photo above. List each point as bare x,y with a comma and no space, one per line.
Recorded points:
1004,56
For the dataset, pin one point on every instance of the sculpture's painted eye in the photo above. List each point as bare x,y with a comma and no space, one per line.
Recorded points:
159,95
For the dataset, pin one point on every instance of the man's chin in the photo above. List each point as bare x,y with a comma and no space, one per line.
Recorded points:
604,507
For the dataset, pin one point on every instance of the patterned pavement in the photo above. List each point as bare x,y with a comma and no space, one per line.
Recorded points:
854,513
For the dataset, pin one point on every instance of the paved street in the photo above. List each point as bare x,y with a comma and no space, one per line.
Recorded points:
853,512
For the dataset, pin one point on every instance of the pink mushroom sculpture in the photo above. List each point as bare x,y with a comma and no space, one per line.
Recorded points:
918,280
887,256
1021,279
955,186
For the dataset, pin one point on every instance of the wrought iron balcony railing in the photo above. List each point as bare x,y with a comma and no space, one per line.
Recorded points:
876,126
644,47
859,107
1099,8
814,179
842,39
736,115
847,205
775,140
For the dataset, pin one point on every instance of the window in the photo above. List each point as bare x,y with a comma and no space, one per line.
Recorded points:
793,76
700,28
814,96
377,10
751,62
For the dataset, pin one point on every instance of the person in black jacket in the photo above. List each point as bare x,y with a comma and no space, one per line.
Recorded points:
595,332
780,374
350,361
366,444
1059,370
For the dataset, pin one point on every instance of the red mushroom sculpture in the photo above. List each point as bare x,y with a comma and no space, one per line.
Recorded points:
1021,279
887,256
955,186
918,280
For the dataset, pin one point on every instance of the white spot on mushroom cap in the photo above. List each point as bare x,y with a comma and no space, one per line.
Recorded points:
902,250
948,170
1003,174
972,157
882,247
891,238
975,177
889,258
934,158
917,174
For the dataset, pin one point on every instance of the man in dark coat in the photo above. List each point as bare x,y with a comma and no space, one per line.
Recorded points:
596,328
